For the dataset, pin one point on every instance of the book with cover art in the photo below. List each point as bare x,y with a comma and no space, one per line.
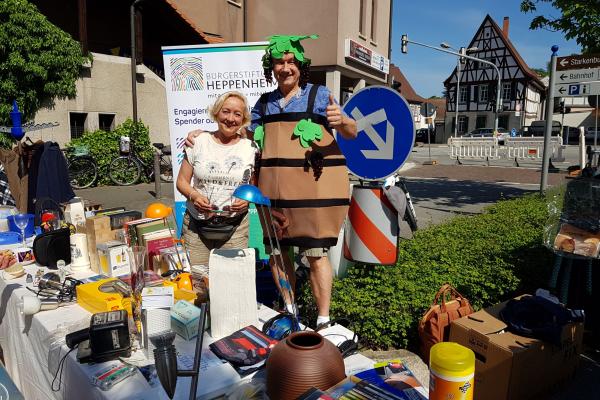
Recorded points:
386,380
154,246
149,227
131,233
315,394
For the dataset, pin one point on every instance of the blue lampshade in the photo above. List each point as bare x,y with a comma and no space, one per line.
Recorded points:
251,194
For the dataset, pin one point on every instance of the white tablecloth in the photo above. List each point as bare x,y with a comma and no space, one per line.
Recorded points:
26,344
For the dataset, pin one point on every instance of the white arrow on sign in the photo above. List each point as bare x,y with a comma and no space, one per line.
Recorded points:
578,75
385,149
564,62
577,89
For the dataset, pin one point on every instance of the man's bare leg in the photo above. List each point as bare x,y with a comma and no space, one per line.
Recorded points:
321,279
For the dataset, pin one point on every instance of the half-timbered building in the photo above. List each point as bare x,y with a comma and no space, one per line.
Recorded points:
522,91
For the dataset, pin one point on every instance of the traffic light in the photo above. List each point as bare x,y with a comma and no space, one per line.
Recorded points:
559,106
404,47
463,51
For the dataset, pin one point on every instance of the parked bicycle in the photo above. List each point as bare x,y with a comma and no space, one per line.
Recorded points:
127,169
83,170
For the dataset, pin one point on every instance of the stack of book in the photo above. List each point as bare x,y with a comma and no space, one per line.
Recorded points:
154,234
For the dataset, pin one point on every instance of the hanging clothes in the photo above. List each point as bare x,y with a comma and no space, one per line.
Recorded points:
6,197
31,156
52,175
18,184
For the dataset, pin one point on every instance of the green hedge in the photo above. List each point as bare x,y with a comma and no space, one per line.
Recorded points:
104,146
487,257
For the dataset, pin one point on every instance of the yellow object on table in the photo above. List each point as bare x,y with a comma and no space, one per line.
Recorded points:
452,369
104,295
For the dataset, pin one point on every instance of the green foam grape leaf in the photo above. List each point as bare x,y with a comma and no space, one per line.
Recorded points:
259,136
307,131
281,44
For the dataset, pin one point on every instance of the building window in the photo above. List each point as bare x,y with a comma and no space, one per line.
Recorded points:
362,18
106,122
77,124
503,121
463,94
481,121
483,93
463,124
374,20
506,91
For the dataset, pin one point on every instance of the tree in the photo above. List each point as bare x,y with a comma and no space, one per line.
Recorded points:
38,61
579,20
540,71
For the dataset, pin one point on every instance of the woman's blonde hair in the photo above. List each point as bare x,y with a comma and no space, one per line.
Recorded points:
213,110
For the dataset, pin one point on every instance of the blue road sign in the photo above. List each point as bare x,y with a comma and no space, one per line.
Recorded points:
573,89
513,132
386,133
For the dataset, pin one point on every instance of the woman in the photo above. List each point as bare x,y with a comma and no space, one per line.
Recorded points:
218,162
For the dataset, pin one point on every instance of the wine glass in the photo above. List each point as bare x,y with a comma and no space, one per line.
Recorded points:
21,221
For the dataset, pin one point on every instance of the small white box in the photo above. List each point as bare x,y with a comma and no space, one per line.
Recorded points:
114,258
184,319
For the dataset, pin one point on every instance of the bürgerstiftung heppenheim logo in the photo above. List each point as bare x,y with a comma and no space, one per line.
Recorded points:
186,74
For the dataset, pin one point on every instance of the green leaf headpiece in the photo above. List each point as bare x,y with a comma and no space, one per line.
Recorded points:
281,44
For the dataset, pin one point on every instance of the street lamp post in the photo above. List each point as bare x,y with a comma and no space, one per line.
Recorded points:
133,60
462,51
405,42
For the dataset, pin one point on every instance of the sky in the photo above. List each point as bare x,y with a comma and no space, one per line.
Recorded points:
456,22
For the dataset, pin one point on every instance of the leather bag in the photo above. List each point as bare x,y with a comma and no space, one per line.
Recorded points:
434,327
52,246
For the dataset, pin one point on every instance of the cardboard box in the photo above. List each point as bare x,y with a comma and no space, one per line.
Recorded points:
184,319
509,366
113,259
97,229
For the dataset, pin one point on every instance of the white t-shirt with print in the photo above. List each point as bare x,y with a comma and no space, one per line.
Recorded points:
219,169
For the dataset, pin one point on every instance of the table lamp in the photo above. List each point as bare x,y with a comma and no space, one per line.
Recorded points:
165,358
252,194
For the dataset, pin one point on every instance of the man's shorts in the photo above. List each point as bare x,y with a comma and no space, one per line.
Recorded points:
303,251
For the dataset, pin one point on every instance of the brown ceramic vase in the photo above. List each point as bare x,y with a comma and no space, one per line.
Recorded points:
301,361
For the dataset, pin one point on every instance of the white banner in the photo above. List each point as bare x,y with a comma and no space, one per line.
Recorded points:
194,77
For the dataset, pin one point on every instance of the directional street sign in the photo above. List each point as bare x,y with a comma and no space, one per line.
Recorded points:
577,62
577,89
427,109
386,133
578,75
